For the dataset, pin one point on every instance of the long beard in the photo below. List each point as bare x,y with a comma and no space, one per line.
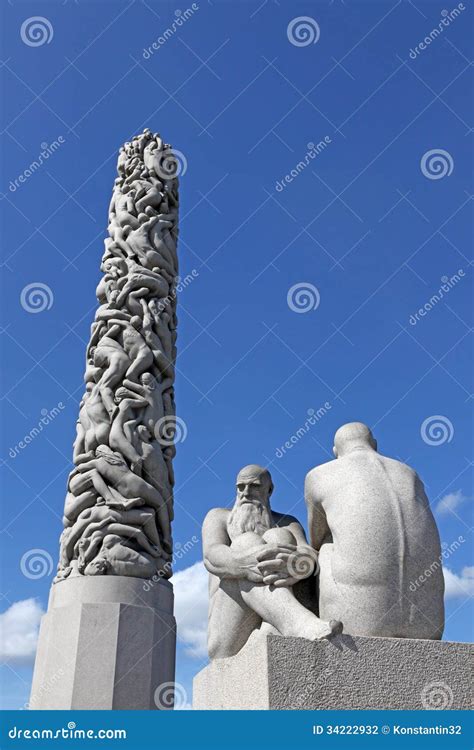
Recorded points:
249,517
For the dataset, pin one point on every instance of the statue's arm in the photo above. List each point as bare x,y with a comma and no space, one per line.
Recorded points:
317,521
135,387
219,558
115,326
302,547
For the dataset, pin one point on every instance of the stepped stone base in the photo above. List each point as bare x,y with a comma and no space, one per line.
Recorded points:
106,643
346,672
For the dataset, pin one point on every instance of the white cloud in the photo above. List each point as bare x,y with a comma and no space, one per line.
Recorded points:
459,585
451,501
19,627
191,603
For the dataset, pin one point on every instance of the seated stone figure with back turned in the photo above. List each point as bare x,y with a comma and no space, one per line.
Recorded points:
370,521
254,556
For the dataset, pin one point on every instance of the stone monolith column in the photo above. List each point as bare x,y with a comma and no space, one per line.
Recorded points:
108,638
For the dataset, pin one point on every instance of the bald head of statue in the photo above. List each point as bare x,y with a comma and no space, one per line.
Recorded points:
353,436
254,483
251,511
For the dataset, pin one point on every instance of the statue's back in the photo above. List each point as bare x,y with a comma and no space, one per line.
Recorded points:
383,539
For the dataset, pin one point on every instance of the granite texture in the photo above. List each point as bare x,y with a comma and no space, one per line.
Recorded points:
370,521
106,643
119,503
344,672
257,559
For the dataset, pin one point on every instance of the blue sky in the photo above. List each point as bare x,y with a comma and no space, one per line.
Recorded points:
369,223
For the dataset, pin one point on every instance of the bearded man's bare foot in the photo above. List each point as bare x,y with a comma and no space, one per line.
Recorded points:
316,631
336,627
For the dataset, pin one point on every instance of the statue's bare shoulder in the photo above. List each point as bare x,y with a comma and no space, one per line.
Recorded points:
317,476
216,517
216,513
284,519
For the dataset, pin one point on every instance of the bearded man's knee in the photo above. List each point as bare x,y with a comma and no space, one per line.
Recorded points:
246,541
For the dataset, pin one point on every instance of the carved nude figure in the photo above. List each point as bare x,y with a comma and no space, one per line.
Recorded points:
117,558
121,461
94,523
155,471
151,242
133,344
140,283
145,392
114,361
93,425
254,556
370,521
123,436
111,478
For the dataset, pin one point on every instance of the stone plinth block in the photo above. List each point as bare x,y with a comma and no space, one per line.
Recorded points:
346,672
106,643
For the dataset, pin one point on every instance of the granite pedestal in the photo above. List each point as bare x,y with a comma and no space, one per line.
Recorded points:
106,643
346,672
